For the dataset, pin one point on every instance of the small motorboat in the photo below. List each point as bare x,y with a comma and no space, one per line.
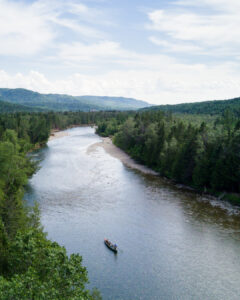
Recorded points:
110,245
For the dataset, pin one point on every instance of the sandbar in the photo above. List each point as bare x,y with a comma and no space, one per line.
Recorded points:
116,152
56,134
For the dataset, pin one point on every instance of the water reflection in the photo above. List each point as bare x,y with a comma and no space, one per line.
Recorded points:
173,244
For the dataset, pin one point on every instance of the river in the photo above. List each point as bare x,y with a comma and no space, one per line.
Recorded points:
173,244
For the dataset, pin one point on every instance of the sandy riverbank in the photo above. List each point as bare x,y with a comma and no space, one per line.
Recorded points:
56,134
110,148
114,151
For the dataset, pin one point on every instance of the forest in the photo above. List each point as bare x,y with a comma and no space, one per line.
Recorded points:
7,107
34,101
31,266
216,107
198,151
201,152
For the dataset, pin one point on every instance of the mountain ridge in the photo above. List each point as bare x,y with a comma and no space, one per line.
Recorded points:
64,102
8,107
213,107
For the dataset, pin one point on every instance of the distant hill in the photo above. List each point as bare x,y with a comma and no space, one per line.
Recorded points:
215,107
7,107
58,102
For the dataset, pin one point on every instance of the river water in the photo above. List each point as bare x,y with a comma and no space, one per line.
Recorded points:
172,243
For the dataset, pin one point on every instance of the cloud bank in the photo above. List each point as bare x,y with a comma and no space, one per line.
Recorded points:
189,51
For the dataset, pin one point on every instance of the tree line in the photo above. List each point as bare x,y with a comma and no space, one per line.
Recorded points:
31,266
202,152
216,107
204,155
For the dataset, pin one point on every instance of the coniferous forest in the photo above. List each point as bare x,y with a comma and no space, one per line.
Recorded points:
198,151
31,266
202,152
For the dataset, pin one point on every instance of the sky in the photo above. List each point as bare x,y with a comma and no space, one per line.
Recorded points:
160,51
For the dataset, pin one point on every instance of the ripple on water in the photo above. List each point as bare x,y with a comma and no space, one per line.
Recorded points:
173,244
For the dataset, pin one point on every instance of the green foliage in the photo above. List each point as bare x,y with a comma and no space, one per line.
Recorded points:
41,269
217,107
31,266
200,151
232,198
34,128
6,107
107,128
14,174
32,101
203,153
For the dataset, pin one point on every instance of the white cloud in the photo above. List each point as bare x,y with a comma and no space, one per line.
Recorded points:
214,27
22,31
104,53
174,84
209,30
78,52
175,47
60,35
73,25
79,8
27,29
217,5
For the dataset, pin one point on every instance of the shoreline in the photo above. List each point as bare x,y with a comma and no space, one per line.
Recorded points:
125,158
59,133
56,134
116,152
107,144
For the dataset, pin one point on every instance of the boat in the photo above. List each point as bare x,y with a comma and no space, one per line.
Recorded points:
110,245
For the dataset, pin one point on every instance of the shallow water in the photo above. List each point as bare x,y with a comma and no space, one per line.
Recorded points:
172,243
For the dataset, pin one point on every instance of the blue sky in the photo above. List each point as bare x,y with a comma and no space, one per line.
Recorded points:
168,51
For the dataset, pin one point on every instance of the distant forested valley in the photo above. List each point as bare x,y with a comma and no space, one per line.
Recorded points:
197,150
14,100
7,107
201,150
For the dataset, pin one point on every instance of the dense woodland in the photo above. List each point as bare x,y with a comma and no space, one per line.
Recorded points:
201,151
7,107
33,101
216,107
31,266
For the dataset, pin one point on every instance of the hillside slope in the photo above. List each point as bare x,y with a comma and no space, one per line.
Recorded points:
6,107
59,102
215,107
